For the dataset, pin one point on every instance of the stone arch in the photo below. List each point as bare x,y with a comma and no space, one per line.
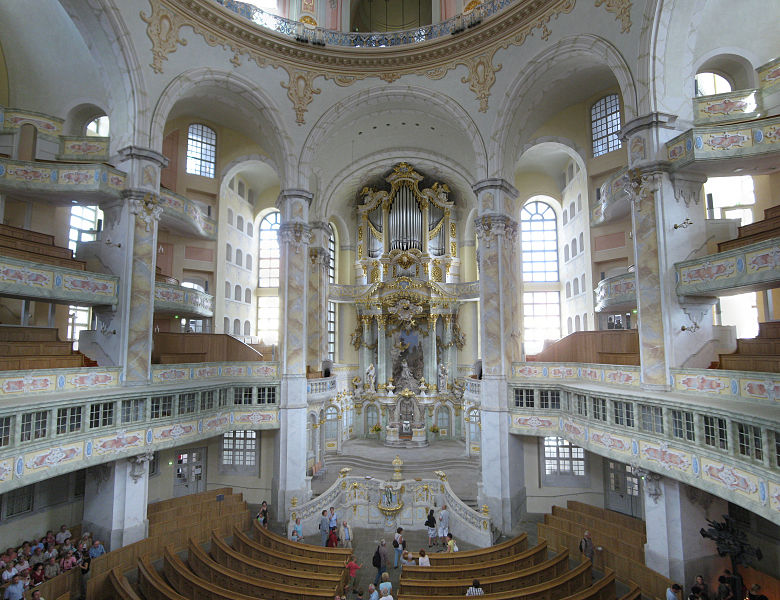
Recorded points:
79,116
731,63
590,49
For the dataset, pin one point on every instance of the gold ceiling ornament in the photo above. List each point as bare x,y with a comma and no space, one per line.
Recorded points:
622,10
308,20
222,27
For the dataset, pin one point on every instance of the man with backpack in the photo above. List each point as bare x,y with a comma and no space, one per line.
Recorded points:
380,561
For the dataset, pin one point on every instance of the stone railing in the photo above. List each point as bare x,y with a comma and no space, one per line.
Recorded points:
752,267
84,148
83,182
717,142
472,387
12,119
769,77
316,387
203,372
321,36
183,214
726,448
23,278
616,293
357,499
742,105
611,195
183,301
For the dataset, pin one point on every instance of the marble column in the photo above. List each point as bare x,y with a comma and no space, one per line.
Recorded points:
115,499
429,357
317,313
381,352
503,487
366,355
677,550
294,239
448,357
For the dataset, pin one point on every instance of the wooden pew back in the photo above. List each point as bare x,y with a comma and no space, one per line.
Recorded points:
508,548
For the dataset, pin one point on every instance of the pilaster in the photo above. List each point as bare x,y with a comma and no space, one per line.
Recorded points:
317,313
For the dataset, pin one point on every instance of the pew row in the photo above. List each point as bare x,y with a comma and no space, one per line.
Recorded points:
509,548
202,565
282,544
510,564
122,590
549,569
190,585
151,583
570,583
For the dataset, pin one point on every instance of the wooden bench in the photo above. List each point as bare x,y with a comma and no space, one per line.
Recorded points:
198,509
37,247
204,567
14,333
508,548
499,566
624,521
603,589
578,523
26,234
558,588
36,257
549,569
191,586
634,593
282,544
51,348
616,544
152,585
242,543
120,586
189,501
23,363
181,358
223,554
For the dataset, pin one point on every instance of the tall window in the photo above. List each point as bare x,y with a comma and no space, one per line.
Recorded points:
239,449
372,416
331,305
541,319
201,150
268,263
474,426
562,457
268,319
83,228
605,125
539,239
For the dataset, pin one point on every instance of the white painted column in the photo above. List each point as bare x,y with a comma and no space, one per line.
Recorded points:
115,499
677,549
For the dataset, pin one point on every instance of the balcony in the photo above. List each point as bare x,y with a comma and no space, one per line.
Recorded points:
320,389
178,300
185,216
81,149
731,107
617,293
612,200
81,183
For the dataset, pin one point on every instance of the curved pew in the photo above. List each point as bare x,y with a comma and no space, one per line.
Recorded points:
202,565
508,548
568,584
550,569
121,586
152,585
253,549
510,564
282,544
190,585
603,589
226,556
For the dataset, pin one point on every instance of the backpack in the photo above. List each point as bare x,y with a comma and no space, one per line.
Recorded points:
395,543
377,560
582,542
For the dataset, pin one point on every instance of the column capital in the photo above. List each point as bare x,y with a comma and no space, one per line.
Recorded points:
495,184
297,235
146,154
145,206
495,196
319,256
491,227
687,187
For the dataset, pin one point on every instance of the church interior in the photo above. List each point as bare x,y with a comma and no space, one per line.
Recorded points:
516,257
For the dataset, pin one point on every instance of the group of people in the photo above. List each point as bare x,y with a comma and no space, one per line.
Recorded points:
729,588
332,533
41,559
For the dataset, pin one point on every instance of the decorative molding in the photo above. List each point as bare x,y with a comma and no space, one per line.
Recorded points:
147,209
297,235
163,30
687,188
300,90
490,227
641,185
622,10
138,465
482,76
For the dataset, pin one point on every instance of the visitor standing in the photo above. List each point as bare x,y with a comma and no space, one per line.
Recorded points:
586,546
353,568
324,528
398,545
444,524
380,561
672,593
430,523
346,535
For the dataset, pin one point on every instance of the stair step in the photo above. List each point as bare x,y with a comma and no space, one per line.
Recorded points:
769,330
743,241
759,346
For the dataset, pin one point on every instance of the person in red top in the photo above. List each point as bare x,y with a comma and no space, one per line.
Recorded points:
37,575
352,567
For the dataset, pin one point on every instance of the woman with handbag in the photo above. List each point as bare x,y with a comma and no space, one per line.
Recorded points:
398,546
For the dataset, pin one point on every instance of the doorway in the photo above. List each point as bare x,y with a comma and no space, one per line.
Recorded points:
624,489
189,476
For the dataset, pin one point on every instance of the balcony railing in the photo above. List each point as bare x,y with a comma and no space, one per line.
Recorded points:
12,119
174,374
321,36
613,201
326,385
185,215
182,301
84,148
730,107
616,293
66,181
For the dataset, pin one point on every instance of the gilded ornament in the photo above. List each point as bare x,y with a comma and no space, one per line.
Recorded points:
163,29
300,90
482,76
622,10
294,501
147,210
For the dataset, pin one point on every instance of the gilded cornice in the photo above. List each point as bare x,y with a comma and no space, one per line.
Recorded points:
474,48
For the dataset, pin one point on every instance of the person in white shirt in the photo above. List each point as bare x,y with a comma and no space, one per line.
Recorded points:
62,535
444,524
475,589
424,560
10,571
672,592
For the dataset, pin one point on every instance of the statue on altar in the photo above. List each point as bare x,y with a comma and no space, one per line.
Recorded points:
368,383
407,379
442,377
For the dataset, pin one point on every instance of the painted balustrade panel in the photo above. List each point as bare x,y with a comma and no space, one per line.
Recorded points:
11,119
741,105
42,381
717,142
755,266
618,375
84,148
612,194
23,278
184,214
616,292
171,374
181,300
769,76
69,179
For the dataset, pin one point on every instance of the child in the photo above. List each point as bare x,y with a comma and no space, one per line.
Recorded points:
352,567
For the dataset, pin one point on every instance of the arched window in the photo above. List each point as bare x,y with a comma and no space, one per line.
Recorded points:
229,253
579,201
709,84
331,305
331,423
584,321
249,229
573,248
237,293
605,125
240,223
582,242
568,289
230,216
247,295
201,150
239,258
539,242
248,260
247,327
565,216
566,252
226,325
576,287
268,260
268,319
568,326
236,327
582,282
443,420
372,417
241,190
98,127
474,428
228,287
577,323
572,210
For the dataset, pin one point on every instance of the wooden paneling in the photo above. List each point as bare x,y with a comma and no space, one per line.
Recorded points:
214,347
170,150
586,346
511,547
